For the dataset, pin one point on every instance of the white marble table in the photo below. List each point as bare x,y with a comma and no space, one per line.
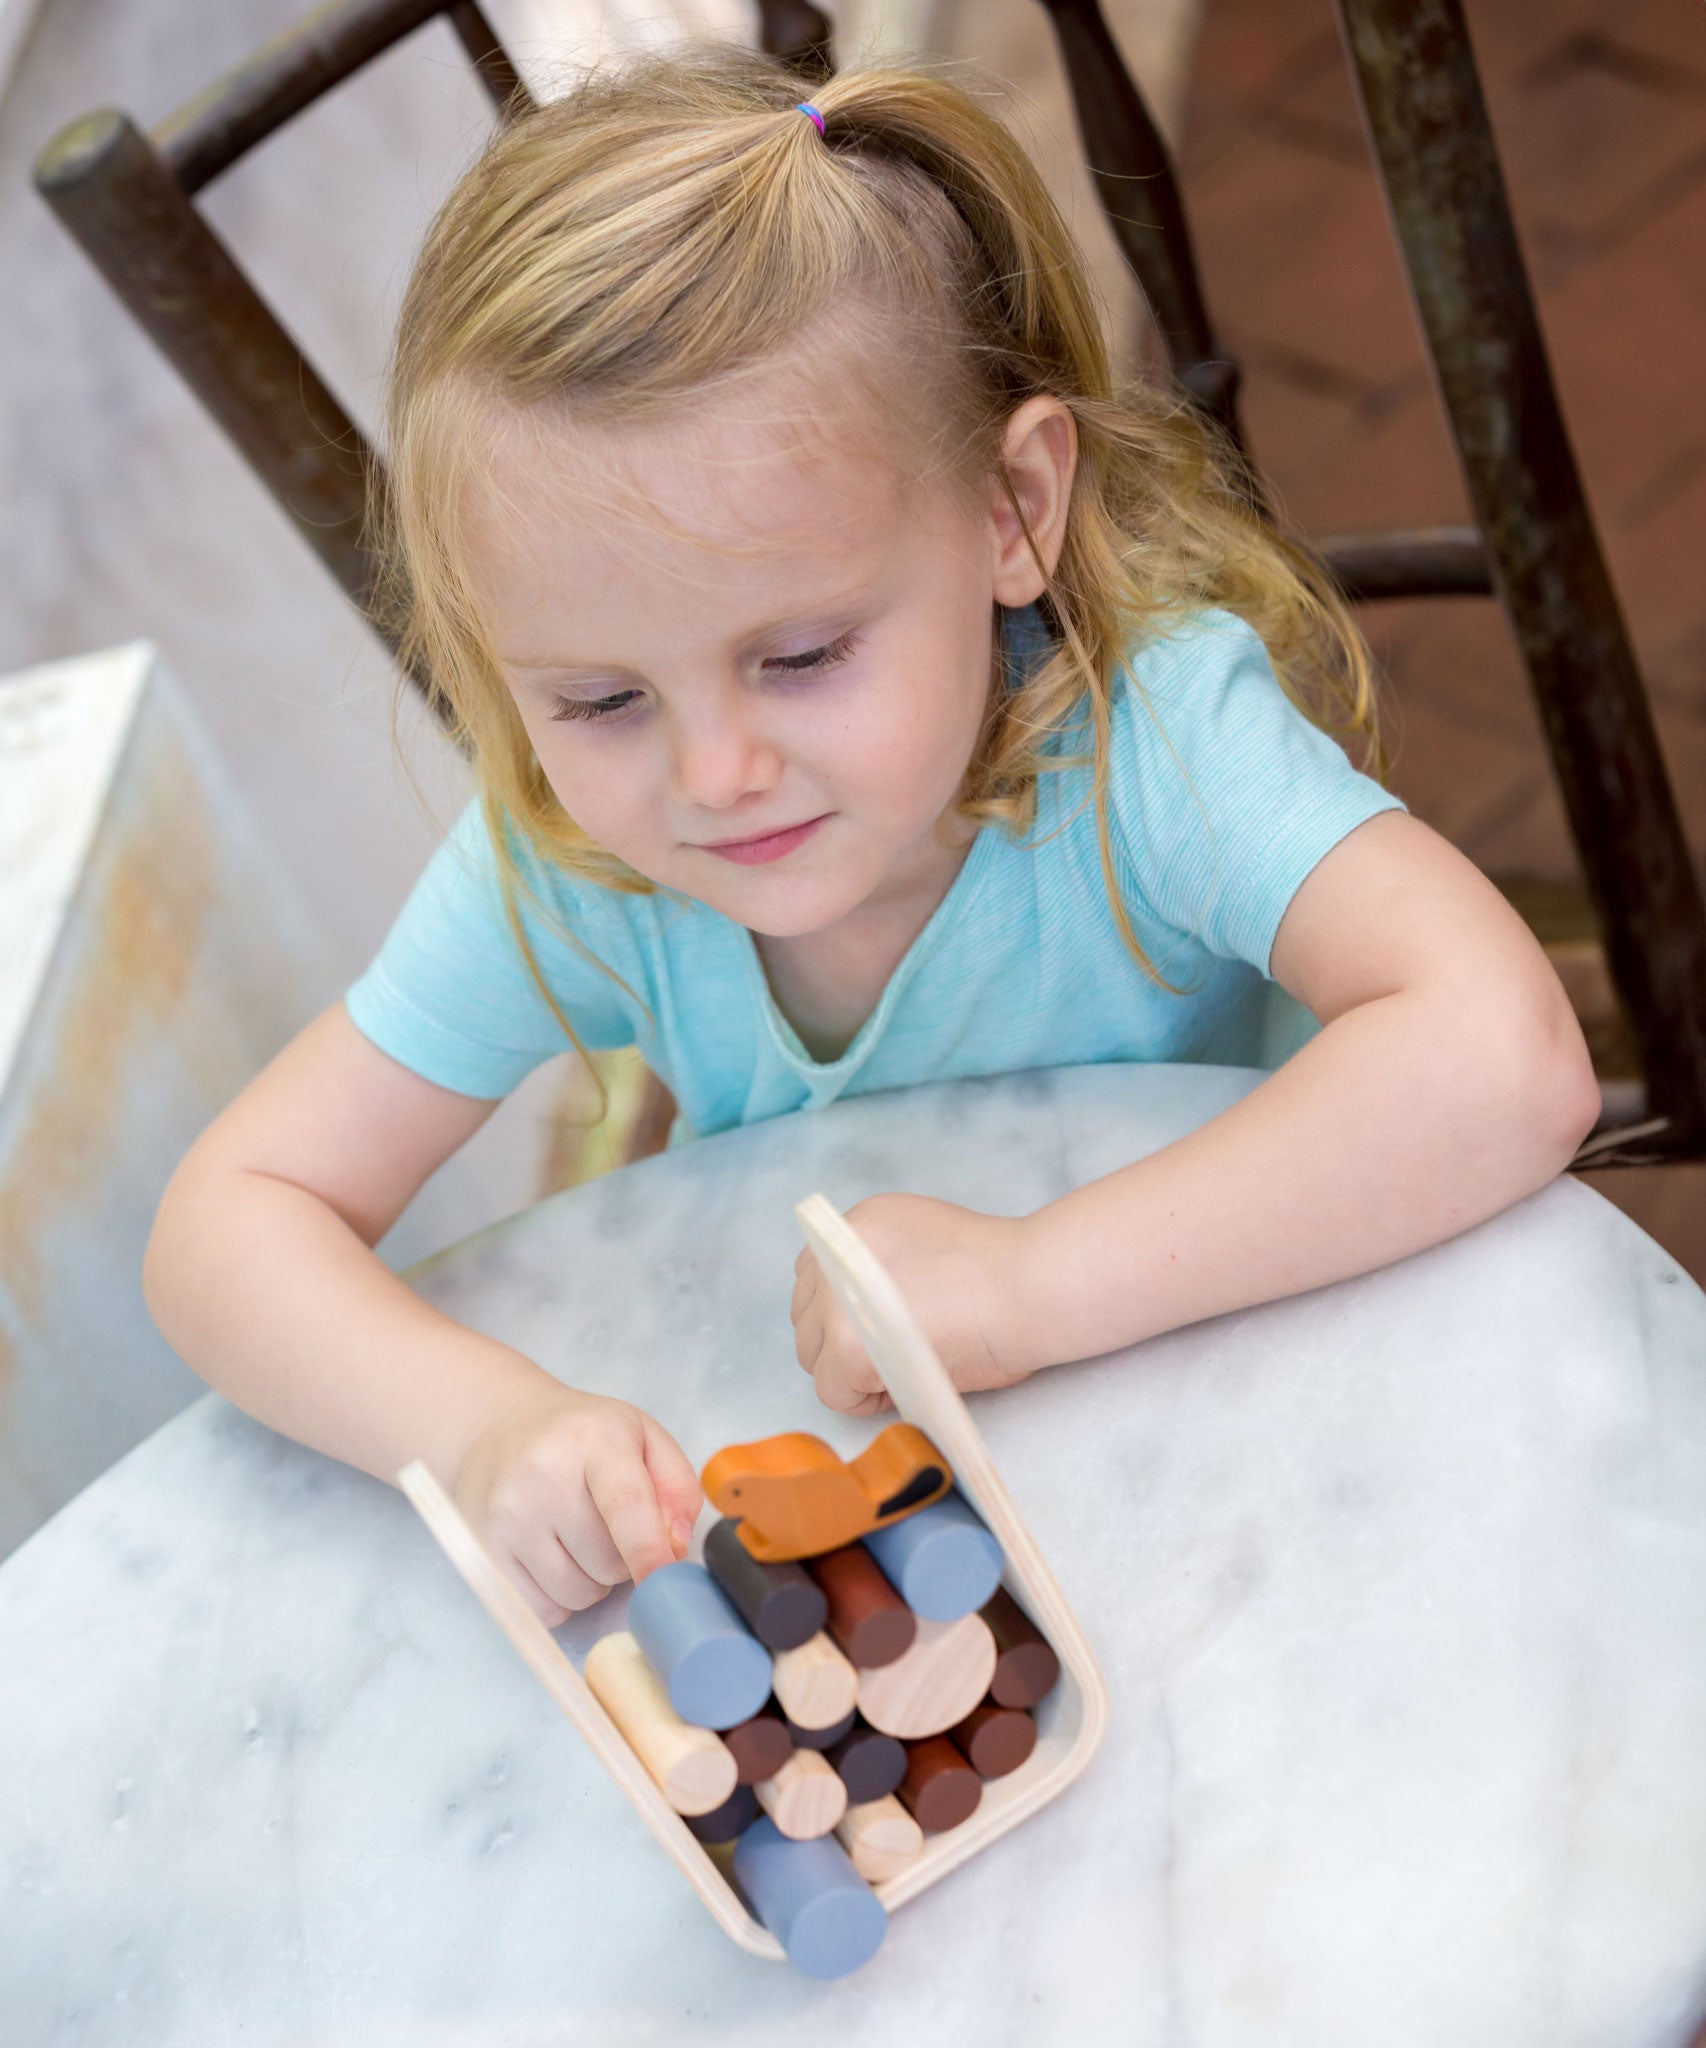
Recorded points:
1400,1590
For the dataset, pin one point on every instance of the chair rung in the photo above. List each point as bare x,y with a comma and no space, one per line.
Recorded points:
287,74
1422,561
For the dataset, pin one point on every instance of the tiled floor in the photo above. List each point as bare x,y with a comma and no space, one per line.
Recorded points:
1599,107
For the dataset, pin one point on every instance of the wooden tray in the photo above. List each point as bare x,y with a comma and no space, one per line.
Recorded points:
1069,1721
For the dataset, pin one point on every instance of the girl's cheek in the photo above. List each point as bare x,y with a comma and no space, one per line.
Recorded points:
618,794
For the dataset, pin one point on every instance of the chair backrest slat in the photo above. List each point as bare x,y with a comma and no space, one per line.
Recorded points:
1135,182
491,60
284,76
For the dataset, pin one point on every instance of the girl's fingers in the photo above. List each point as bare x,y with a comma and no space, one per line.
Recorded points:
561,1576
843,1378
551,1612
679,1494
583,1532
843,1392
808,1341
622,1491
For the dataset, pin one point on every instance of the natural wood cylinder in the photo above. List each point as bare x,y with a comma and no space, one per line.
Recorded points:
882,1838
815,1685
936,1684
693,1767
805,1798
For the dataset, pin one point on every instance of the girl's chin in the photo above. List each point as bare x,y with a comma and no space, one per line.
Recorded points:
781,912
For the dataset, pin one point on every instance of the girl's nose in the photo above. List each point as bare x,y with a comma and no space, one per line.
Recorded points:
716,763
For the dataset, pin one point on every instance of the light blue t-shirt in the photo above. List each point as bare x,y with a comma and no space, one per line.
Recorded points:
1222,798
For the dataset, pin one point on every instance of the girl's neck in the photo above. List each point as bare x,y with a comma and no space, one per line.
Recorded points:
827,983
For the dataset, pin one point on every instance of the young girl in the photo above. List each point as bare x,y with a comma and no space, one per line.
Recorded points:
860,692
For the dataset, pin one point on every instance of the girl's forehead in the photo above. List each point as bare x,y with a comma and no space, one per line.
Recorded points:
743,473
785,457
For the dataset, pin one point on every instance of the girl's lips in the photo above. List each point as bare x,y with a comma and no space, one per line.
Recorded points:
771,846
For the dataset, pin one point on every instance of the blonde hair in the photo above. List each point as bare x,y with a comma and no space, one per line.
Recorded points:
676,224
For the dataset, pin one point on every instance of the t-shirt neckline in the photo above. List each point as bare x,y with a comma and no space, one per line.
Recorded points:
958,896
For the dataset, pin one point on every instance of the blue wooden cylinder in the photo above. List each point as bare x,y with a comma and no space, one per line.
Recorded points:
811,1898
715,1671
942,1561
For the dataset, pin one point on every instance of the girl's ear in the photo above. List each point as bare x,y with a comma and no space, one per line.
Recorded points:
1039,453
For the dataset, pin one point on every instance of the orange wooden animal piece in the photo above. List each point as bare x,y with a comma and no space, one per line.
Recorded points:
795,1498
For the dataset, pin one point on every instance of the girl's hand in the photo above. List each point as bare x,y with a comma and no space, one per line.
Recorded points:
573,1493
961,1275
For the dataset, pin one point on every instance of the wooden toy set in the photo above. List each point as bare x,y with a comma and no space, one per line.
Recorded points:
871,1675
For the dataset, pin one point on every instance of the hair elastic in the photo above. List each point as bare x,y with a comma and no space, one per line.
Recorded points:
811,113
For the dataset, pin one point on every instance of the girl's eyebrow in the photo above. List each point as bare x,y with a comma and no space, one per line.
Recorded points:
771,629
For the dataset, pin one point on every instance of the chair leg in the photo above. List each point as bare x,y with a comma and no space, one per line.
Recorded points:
1139,191
1415,72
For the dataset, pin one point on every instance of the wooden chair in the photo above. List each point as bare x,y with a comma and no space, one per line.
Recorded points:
1535,543
127,198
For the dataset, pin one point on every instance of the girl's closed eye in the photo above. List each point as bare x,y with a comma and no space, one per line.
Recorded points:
813,662
817,659
592,707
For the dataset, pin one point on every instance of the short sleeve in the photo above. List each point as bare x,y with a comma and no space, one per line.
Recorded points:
1222,795
449,995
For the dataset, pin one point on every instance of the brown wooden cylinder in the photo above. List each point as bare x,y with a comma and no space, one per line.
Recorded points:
822,1738
871,1764
940,1789
760,1746
778,1602
736,1814
1026,1669
867,1617
994,1740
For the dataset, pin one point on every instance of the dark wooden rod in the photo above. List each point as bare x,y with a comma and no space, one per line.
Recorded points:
1135,181
800,35
245,106
116,195
491,60
1421,97
1423,561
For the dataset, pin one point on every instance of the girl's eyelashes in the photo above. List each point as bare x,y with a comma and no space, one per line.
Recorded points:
593,707
818,658
814,662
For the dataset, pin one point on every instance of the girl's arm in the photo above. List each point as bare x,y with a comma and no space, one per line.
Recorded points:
260,1272
1449,1079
